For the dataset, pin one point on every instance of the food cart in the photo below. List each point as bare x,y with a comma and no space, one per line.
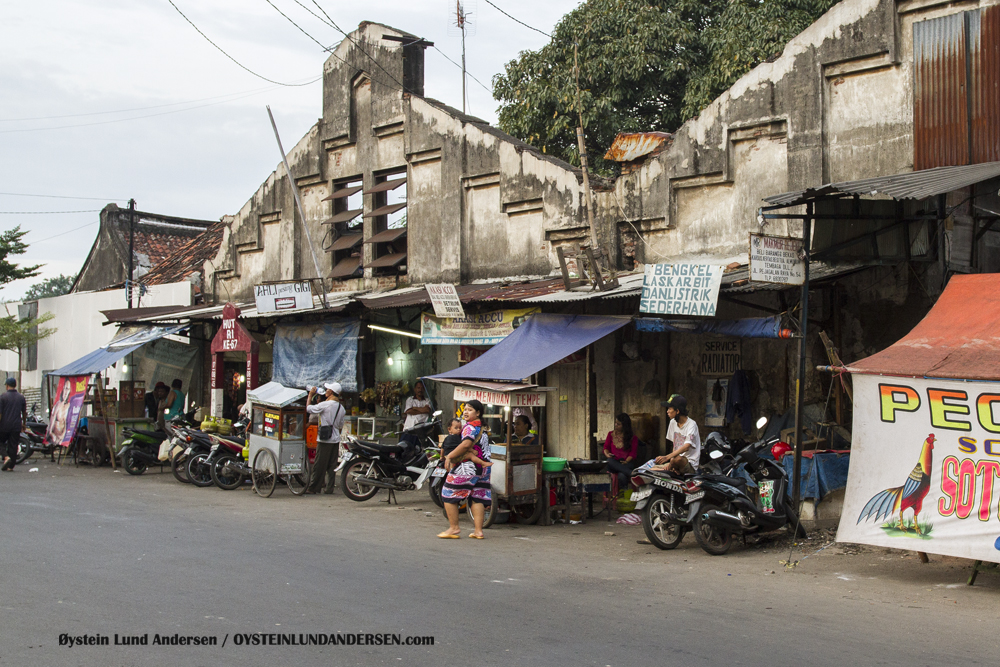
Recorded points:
277,445
516,475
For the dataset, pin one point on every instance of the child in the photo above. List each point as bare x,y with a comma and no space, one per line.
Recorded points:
454,439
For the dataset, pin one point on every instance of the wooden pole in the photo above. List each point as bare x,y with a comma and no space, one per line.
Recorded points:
107,427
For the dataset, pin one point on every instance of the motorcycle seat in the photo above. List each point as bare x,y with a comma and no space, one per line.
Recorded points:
157,435
722,479
380,448
234,438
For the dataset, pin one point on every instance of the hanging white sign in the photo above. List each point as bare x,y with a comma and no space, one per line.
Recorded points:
445,300
283,297
925,461
777,259
682,288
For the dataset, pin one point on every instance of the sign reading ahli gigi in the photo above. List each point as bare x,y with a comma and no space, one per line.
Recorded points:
925,464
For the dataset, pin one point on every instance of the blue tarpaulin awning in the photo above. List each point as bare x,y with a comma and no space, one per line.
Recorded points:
750,327
120,346
541,341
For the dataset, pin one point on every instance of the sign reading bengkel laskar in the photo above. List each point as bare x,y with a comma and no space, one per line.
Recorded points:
480,329
925,467
283,297
681,288
777,259
445,300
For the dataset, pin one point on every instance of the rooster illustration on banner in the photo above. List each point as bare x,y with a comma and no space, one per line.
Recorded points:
894,501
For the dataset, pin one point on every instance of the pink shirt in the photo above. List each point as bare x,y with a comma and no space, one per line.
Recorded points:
621,454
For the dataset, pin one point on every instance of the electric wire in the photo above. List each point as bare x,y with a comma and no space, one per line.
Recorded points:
466,71
517,20
23,194
241,65
96,210
151,115
68,231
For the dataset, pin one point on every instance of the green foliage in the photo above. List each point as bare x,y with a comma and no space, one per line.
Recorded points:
56,286
11,243
645,65
16,334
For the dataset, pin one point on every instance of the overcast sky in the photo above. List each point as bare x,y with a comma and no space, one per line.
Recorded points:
119,99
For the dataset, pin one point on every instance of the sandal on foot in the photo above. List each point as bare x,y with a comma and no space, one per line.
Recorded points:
447,536
474,536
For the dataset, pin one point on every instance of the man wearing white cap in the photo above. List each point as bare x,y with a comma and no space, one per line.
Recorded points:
331,421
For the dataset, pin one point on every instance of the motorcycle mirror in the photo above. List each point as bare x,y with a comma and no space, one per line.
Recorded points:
715,454
437,413
762,422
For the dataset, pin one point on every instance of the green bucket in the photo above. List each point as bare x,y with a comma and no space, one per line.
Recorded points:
553,464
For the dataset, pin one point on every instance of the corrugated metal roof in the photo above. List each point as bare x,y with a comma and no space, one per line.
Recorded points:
337,302
738,281
632,146
910,185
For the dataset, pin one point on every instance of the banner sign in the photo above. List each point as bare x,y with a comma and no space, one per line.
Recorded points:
777,259
283,297
66,410
445,300
479,329
925,459
683,288
520,399
720,357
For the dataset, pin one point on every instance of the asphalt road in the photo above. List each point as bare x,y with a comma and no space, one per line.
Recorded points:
92,552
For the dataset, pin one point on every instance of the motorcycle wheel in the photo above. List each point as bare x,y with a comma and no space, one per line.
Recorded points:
227,481
264,473
528,514
200,472
463,508
178,466
712,539
349,481
662,532
435,494
24,450
793,522
132,464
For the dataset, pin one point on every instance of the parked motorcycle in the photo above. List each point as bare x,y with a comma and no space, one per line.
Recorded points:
33,440
667,501
370,466
200,465
141,449
232,469
740,511
186,443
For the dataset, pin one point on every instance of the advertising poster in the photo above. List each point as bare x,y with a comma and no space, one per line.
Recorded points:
683,288
480,329
925,462
66,410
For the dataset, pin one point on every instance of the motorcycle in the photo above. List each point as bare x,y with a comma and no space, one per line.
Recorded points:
369,466
141,449
740,511
33,440
186,443
667,502
200,465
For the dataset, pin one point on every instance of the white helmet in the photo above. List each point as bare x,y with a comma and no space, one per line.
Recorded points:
334,387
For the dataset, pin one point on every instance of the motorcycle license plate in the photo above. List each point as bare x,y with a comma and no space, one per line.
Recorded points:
439,472
693,497
187,452
641,494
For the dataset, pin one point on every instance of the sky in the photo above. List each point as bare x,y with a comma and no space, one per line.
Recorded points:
119,99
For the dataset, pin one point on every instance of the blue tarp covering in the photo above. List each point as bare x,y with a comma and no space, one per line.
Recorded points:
750,327
538,343
95,362
311,354
821,474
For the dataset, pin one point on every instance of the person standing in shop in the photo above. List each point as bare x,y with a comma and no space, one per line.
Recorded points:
331,422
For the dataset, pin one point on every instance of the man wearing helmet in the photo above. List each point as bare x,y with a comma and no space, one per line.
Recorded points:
331,421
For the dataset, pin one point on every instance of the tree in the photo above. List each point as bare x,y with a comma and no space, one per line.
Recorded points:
56,286
11,243
645,65
16,334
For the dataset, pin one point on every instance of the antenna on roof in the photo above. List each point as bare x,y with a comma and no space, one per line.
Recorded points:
460,21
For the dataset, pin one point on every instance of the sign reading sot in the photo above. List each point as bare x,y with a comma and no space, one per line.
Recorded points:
682,288
283,297
925,467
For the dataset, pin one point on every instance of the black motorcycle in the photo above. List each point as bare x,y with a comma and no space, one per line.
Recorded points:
33,440
740,511
201,465
370,466
186,443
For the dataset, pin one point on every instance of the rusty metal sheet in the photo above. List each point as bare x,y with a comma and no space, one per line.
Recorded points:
984,47
959,338
629,147
940,99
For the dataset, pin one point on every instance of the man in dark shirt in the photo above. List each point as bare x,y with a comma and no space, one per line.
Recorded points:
13,420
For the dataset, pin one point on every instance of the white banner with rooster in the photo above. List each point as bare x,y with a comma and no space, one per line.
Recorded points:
925,467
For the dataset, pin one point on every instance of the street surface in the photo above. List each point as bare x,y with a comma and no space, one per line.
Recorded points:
94,552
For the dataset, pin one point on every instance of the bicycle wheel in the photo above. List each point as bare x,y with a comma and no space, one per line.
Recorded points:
265,473
298,483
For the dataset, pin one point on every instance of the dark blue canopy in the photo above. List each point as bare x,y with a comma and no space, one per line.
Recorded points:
538,343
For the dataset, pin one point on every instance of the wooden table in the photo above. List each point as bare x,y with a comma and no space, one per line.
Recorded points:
559,481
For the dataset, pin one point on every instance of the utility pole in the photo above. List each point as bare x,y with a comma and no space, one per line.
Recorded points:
131,249
460,18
